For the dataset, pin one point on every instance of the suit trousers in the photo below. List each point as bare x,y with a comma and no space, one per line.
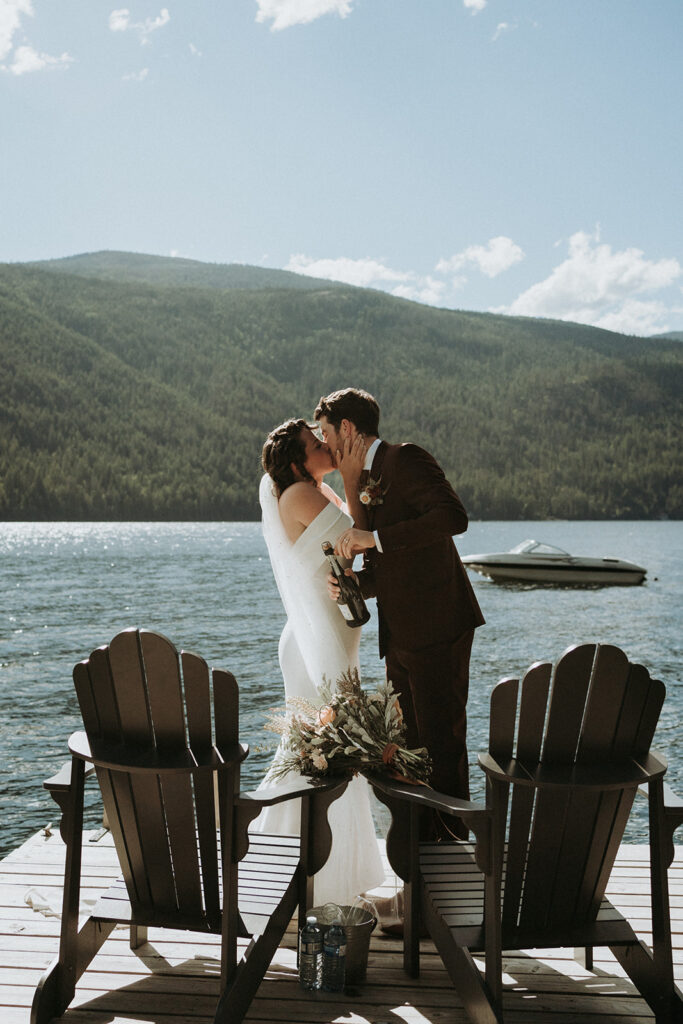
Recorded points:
433,684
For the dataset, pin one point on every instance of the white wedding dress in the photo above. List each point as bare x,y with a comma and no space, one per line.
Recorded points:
317,645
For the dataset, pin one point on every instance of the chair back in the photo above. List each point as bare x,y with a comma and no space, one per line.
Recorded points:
144,704
593,709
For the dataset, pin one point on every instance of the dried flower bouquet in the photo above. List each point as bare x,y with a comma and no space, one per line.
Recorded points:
353,730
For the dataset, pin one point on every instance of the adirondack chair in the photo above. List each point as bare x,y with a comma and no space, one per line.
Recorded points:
163,768
546,840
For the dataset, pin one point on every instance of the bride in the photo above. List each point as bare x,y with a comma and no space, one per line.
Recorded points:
300,511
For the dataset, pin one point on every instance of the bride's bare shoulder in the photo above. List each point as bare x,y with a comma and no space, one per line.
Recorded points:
301,503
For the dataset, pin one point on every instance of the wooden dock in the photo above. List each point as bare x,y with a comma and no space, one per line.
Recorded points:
173,978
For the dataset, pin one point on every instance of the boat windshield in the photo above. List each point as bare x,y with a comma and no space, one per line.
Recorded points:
534,547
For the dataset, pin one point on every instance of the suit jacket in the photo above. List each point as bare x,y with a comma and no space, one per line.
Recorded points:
424,595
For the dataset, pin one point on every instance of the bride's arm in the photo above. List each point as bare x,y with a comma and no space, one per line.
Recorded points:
299,505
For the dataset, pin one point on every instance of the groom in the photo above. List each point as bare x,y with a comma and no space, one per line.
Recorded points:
426,605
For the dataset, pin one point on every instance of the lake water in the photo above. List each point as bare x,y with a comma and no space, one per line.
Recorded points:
70,587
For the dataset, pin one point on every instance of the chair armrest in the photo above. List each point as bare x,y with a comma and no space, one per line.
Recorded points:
673,818
61,782
617,775
404,800
281,791
132,759
427,797
673,806
316,836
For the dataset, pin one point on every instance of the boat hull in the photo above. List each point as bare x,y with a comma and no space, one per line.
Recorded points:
559,573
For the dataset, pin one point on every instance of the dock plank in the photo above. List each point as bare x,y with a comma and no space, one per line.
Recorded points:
174,978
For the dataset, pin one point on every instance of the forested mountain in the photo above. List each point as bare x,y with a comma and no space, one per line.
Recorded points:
175,271
150,398
671,335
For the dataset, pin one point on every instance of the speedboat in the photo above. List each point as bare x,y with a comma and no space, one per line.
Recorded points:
535,562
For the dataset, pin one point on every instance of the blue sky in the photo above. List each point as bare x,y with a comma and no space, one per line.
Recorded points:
522,156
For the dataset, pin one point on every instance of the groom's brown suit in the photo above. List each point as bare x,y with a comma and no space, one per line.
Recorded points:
426,605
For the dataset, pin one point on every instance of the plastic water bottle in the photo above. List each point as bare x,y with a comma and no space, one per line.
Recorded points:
334,958
310,955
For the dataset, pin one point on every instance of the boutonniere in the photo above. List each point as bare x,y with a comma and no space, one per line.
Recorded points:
373,492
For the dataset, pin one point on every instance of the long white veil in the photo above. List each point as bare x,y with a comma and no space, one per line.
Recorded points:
278,543
303,592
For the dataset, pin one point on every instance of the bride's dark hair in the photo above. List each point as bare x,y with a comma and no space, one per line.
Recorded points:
284,449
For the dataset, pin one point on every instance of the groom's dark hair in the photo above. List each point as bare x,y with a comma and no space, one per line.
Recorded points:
350,404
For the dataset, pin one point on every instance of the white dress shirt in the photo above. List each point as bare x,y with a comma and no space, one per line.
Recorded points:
369,456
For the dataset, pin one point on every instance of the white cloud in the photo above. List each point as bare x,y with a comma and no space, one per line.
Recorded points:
475,5
427,290
285,13
499,254
501,28
369,273
25,60
11,12
136,76
433,289
120,21
636,317
595,285
195,51
365,273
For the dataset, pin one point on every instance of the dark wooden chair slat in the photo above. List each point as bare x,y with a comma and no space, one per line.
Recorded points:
650,716
532,712
609,829
162,671
533,701
86,698
104,696
569,687
196,678
541,879
144,821
547,849
603,704
179,807
119,801
640,696
225,703
128,682
197,682
502,719
164,687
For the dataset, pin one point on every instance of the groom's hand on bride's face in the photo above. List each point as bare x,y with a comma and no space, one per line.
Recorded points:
350,458
353,542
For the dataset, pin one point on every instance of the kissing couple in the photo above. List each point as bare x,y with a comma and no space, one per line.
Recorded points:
401,513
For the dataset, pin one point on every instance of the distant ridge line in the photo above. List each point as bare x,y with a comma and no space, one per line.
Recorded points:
111,264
